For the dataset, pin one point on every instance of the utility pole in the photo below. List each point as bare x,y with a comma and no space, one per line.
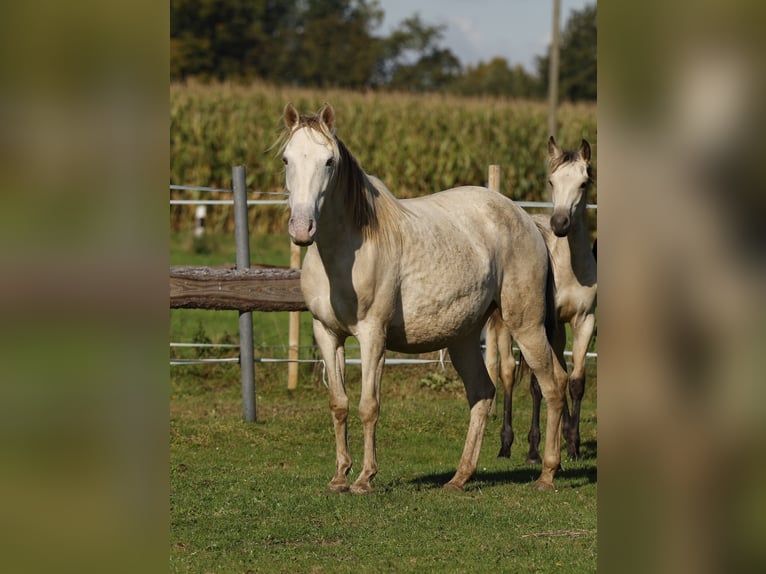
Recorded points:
553,71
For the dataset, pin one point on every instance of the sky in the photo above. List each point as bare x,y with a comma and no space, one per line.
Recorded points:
479,30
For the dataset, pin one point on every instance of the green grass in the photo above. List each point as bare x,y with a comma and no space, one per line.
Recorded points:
251,497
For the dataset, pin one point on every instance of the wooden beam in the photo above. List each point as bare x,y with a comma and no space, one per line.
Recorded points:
258,289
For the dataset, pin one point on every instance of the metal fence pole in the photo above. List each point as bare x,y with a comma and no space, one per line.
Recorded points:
242,238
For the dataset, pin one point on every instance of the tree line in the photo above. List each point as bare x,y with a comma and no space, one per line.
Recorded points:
332,43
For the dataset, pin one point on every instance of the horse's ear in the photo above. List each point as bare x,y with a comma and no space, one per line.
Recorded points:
327,115
585,150
291,116
554,151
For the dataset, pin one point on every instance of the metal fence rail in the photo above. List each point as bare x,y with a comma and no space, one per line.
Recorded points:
246,358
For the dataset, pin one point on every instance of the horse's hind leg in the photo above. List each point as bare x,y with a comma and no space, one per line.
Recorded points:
558,342
333,354
582,331
549,369
467,360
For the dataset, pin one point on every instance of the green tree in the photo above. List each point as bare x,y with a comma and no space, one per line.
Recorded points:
577,58
303,42
332,44
226,38
411,58
496,78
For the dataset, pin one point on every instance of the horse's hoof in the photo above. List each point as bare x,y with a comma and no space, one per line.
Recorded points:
336,488
534,460
543,486
453,487
504,452
361,488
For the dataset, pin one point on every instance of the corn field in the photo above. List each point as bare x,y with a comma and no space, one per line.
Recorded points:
416,144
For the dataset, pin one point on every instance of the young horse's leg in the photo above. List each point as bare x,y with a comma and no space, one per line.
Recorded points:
334,357
490,355
507,374
372,342
533,456
479,390
582,331
551,374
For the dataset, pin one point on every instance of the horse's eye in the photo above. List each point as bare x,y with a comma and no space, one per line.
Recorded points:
550,183
330,162
284,160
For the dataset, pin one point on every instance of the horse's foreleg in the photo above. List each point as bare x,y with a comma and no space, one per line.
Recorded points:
466,358
549,369
372,341
582,331
333,354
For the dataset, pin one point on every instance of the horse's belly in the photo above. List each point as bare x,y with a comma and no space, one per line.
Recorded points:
431,324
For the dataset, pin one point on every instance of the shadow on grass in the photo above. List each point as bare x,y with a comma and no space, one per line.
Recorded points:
588,449
569,476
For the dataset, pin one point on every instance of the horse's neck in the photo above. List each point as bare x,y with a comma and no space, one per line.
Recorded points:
336,226
580,251
338,235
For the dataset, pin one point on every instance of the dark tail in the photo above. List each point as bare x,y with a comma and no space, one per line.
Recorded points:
550,319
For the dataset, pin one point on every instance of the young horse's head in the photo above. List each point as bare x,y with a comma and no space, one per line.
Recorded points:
569,180
310,153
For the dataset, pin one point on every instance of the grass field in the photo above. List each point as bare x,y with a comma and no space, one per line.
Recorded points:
250,497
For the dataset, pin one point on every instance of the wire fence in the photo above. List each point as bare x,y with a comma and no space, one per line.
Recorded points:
592,356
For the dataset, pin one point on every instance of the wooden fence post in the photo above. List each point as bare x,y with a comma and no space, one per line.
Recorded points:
294,334
493,177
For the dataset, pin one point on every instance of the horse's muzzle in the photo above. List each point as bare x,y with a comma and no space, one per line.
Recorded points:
302,230
560,223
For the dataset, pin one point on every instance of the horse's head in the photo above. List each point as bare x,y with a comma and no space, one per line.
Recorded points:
569,181
310,155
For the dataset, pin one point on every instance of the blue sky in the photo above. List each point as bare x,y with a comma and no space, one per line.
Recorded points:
479,30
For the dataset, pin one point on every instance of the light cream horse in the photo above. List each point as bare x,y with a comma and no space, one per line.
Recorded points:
413,276
574,272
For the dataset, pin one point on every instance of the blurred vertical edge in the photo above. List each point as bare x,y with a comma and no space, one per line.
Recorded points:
682,263
83,294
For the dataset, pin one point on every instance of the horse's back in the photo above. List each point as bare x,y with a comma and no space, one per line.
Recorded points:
475,214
